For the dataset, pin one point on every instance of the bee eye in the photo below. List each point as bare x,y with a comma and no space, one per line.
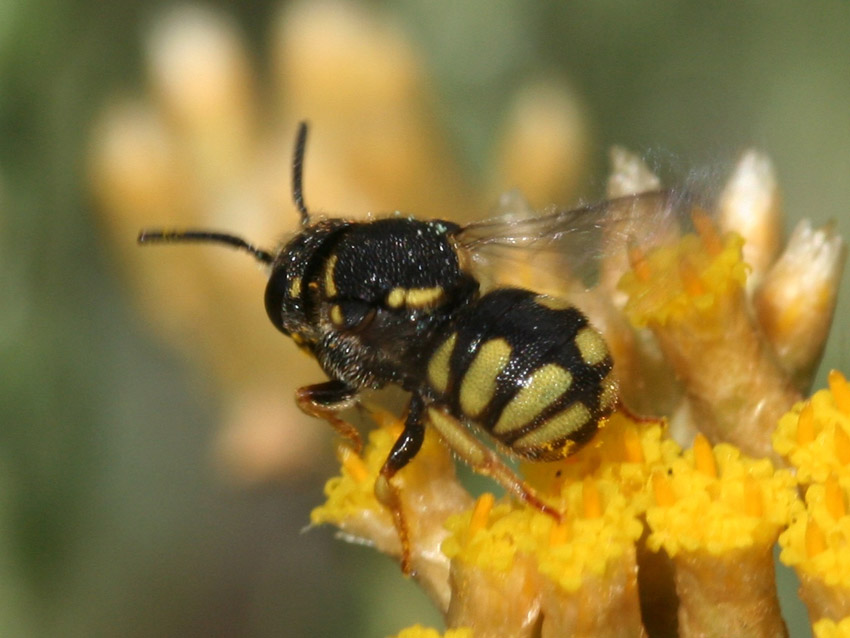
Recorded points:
276,292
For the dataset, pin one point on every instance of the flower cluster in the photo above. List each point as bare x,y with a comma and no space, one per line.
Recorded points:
815,438
655,539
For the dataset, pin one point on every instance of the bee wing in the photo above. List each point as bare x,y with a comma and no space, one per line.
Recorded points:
570,249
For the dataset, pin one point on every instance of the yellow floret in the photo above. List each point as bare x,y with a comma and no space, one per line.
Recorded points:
488,539
716,500
826,628
418,631
818,542
353,492
599,525
815,435
682,281
625,451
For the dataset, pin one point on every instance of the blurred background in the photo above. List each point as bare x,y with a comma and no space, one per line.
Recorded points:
155,478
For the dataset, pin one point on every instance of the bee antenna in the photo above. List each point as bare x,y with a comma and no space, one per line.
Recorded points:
297,172
168,236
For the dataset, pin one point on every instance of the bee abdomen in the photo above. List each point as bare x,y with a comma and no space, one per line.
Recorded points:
529,370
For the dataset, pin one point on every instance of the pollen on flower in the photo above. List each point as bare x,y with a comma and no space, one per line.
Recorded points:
418,631
806,424
428,493
816,543
815,540
840,391
717,515
662,490
352,492
483,507
625,452
707,232
814,436
632,445
834,498
828,628
685,278
559,535
704,457
717,500
487,539
696,304
601,525
591,499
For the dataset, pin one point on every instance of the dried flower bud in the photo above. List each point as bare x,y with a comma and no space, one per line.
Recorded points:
796,300
543,148
629,174
200,74
750,206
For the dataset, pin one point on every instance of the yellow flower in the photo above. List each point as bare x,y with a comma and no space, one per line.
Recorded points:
717,500
625,451
691,294
717,516
429,492
691,280
827,628
719,330
814,436
817,546
511,563
418,631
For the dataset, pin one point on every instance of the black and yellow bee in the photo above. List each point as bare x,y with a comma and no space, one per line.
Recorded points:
398,301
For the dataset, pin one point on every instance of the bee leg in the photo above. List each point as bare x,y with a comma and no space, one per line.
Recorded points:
483,460
403,450
324,400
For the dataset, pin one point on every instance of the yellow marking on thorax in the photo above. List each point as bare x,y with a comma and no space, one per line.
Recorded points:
438,366
414,297
479,382
330,285
543,388
553,303
295,288
591,346
396,298
336,315
559,426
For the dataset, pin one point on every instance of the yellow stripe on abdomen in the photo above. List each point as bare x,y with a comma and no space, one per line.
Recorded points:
438,366
545,386
479,382
591,346
555,429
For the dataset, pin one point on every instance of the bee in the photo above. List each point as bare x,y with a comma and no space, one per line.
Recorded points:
398,301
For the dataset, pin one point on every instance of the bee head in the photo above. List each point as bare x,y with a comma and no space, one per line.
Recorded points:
281,302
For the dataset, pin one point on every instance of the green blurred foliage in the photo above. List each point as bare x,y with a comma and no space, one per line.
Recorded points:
111,522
